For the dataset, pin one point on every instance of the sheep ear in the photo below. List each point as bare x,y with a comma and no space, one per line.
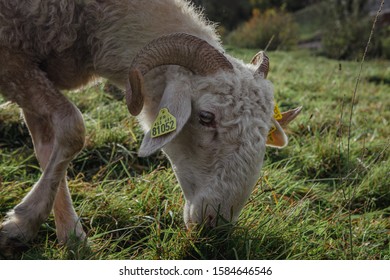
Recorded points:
276,136
173,113
289,116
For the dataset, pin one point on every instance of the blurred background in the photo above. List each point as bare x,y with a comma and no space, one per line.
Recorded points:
338,29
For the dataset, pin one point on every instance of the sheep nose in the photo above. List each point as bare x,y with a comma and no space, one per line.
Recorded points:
208,221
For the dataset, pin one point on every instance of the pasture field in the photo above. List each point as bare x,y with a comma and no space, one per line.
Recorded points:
325,196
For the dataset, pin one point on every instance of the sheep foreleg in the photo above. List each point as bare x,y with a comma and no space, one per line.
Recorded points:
57,128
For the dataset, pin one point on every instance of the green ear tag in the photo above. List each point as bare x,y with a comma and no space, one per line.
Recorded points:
164,123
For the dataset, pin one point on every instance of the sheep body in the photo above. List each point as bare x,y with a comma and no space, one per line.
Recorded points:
82,37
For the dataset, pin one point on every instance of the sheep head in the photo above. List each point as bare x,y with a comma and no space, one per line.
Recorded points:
216,113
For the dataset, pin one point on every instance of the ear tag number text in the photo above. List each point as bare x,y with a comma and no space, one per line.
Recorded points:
277,113
164,123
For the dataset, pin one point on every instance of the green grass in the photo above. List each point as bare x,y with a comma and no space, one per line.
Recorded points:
310,198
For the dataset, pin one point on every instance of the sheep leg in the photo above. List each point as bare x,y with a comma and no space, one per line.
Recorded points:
66,219
29,87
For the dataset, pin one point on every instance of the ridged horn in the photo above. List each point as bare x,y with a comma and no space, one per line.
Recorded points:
181,49
262,60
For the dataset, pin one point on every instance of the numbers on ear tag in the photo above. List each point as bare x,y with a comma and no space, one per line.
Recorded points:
277,113
165,123
270,138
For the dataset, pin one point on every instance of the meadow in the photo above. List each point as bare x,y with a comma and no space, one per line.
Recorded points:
325,196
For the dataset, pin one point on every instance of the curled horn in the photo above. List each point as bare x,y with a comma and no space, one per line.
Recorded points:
262,60
181,49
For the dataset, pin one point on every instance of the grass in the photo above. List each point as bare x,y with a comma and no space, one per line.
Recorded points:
309,199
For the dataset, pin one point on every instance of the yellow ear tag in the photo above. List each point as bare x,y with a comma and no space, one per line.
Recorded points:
277,113
277,116
164,123
270,138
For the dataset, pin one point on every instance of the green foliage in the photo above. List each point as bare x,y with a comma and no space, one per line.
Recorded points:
310,22
347,29
273,28
385,42
311,200
231,13
290,5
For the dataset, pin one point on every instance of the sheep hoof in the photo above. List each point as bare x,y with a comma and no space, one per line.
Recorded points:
79,248
10,246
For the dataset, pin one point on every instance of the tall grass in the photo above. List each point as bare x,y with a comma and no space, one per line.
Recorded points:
354,97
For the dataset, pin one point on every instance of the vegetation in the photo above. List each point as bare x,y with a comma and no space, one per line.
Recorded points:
231,13
325,196
348,22
271,30
334,27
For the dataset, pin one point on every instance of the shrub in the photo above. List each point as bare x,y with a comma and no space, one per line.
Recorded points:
385,43
346,39
345,35
273,28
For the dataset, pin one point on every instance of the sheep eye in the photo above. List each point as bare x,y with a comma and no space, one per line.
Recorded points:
206,118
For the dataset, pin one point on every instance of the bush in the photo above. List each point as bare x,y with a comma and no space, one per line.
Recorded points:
346,40
385,43
273,28
345,35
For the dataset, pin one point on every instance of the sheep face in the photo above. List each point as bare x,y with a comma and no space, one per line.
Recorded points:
218,147
212,118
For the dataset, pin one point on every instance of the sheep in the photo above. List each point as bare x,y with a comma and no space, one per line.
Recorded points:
209,112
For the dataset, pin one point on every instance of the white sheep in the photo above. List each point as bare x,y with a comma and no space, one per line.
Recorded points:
218,111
